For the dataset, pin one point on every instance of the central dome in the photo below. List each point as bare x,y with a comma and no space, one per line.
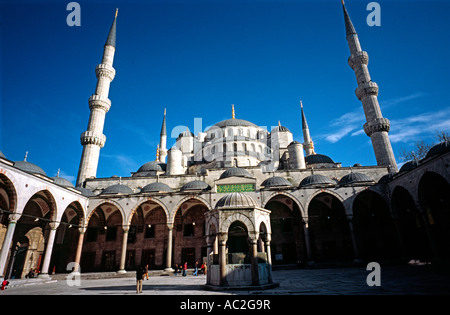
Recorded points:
235,122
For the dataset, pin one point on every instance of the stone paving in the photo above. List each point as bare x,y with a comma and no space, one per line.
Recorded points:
398,280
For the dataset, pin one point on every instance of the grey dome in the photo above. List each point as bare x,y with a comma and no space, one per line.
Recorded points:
439,148
85,192
2,155
235,171
152,166
354,178
195,185
294,142
29,167
317,159
156,187
409,165
236,200
280,129
235,122
316,180
276,181
186,133
62,182
117,189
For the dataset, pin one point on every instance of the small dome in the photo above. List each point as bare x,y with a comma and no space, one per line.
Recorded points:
235,171
156,187
280,129
62,182
236,200
152,166
195,185
354,178
29,167
317,159
439,148
276,181
386,178
186,133
409,165
316,180
294,143
2,155
85,192
117,189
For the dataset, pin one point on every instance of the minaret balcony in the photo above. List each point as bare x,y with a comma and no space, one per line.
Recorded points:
365,89
93,137
377,125
99,102
357,59
105,70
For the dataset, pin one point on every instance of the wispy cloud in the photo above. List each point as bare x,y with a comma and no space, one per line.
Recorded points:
397,100
123,163
348,124
418,127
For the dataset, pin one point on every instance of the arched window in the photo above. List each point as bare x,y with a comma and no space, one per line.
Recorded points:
240,132
224,147
235,147
244,146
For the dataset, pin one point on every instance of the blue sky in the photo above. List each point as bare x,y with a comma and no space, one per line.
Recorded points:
196,58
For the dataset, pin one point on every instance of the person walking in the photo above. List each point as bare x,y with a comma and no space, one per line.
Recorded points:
176,270
185,269
139,279
146,272
196,269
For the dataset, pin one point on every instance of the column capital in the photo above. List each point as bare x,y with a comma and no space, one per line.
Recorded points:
14,217
126,228
53,225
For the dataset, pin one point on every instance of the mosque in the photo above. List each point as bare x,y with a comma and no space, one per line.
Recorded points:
162,214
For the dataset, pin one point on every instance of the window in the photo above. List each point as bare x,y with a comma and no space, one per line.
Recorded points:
149,231
235,147
244,146
188,230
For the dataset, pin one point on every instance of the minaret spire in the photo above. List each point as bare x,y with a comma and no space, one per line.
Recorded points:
93,139
308,144
163,141
376,126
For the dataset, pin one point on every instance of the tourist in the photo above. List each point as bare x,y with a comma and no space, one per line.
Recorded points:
146,272
196,269
185,269
139,278
176,270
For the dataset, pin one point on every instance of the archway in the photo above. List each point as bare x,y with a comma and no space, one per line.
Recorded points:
189,233
237,244
374,227
103,239
288,238
434,198
28,245
410,225
147,237
329,229
66,239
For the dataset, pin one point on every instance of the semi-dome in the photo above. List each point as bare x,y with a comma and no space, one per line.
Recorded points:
118,189
316,180
236,200
195,185
276,181
355,178
235,122
154,166
156,187
85,192
236,172
318,159
62,182
29,167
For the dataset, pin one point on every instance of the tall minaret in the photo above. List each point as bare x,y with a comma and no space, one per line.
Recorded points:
308,145
376,126
163,141
93,139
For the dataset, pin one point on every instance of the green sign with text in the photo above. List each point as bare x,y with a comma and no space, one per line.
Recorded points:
235,188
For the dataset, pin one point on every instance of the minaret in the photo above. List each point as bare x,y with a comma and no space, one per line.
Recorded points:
93,139
308,144
376,126
163,141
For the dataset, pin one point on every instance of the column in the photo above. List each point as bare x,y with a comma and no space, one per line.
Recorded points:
49,250
169,248
352,233
13,218
269,256
223,258
82,231
307,239
254,252
210,241
123,256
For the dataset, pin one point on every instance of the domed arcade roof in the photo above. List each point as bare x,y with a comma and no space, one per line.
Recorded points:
29,167
316,180
152,166
354,178
317,159
156,187
117,189
62,182
235,171
276,181
195,185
